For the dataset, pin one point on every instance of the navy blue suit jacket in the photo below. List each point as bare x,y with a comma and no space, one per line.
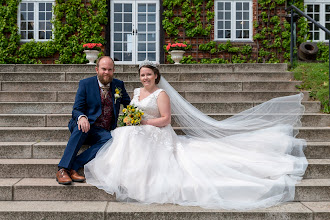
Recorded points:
88,101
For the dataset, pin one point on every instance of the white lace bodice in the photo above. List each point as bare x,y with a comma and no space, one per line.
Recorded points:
148,104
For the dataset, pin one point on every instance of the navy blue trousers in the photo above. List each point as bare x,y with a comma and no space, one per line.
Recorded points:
96,137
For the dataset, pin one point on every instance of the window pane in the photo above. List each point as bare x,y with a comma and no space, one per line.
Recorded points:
42,6
327,8
118,27
239,6
227,6
141,56
151,27
128,37
41,16
245,6
246,15
151,37
128,27
227,33
316,36
23,35
48,16
142,18
152,47
118,8
142,37
49,6
245,24
227,25
117,37
23,16
227,16
118,47
220,34
220,5
30,35
41,35
327,17
48,25
220,15
23,26
245,34
142,8
151,17
309,8
238,15
48,34
220,24
127,56
317,17
23,6
127,7
142,47
142,28
239,25
127,17
238,34
30,6
151,7
152,56
42,26
118,57
316,8
30,25
30,16
117,17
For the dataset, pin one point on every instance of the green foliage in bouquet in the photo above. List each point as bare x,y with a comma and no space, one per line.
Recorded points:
132,116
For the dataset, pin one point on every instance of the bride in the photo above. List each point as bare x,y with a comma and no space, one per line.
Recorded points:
251,160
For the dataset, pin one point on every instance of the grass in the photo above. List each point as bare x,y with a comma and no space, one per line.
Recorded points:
315,78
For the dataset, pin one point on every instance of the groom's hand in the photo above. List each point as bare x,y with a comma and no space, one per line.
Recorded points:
83,124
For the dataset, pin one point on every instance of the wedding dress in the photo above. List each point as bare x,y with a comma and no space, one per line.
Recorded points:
251,160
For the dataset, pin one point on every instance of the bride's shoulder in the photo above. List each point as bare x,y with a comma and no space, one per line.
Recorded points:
137,91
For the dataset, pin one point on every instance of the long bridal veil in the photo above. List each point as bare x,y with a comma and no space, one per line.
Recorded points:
286,110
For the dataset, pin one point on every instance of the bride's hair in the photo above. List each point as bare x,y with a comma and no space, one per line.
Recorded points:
155,70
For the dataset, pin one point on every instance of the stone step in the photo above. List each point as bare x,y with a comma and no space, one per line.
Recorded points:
54,150
202,68
133,76
66,107
100,210
46,168
179,86
47,189
203,97
61,120
59,134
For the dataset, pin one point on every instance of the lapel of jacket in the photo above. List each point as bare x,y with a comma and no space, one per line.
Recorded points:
113,87
97,88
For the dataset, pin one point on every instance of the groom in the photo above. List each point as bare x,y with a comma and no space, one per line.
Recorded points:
95,113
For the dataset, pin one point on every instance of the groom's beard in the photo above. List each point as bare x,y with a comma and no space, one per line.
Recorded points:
105,79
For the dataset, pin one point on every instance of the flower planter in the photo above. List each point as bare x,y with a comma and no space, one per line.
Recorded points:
91,55
177,55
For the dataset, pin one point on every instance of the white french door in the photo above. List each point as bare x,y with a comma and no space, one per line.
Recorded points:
134,31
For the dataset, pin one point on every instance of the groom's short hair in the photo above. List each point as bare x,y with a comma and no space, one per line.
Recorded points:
100,58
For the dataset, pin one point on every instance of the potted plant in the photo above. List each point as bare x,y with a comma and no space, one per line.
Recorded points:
92,51
176,50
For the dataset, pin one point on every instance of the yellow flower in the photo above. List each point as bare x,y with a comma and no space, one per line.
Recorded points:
124,110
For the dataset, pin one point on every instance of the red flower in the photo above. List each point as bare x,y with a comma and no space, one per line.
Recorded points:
176,46
92,46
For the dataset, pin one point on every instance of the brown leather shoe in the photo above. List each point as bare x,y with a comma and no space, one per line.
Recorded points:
62,177
76,177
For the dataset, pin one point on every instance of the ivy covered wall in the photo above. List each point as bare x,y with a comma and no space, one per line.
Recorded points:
190,21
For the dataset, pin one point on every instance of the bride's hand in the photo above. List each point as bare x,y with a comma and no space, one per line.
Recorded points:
144,122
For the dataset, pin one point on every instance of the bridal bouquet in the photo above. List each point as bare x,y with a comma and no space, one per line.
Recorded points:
132,116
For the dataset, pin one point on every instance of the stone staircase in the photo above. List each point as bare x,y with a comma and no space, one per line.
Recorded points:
35,106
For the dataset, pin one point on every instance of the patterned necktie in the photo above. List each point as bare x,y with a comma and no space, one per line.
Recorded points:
105,91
